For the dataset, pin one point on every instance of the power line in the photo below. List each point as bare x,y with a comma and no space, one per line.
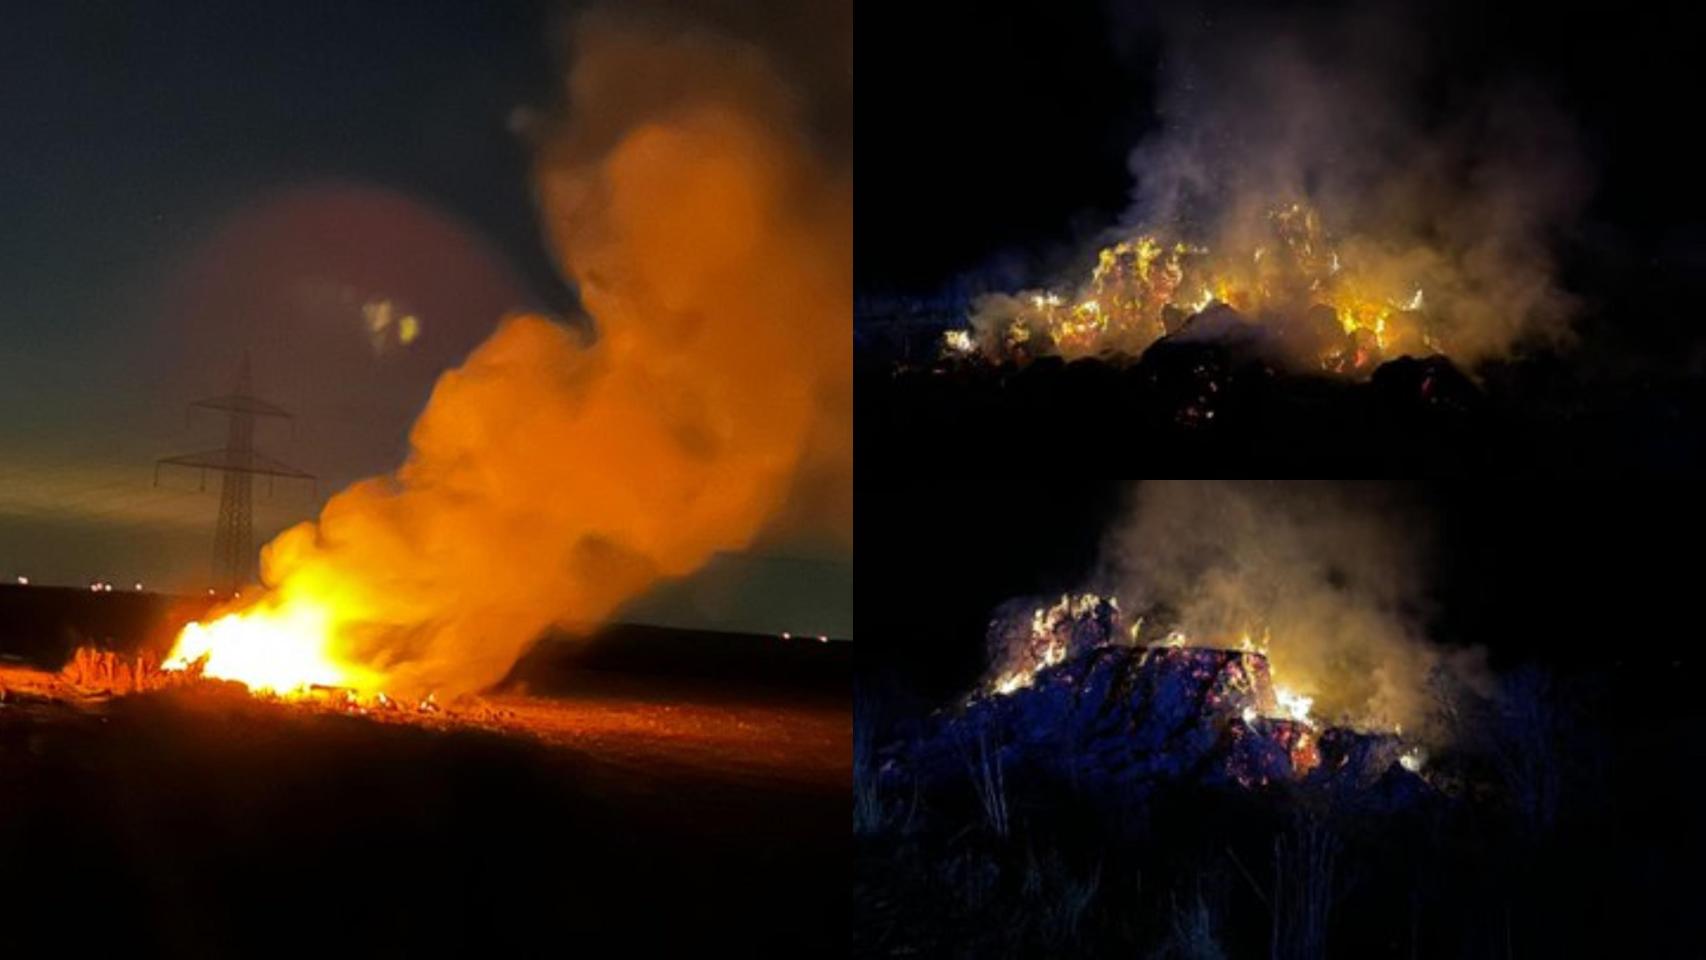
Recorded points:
237,463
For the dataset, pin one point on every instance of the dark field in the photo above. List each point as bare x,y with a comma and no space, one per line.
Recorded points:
635,800
1567,824
1572,845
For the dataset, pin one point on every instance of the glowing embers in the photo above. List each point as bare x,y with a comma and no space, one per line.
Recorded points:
1181,700
1239,684
1225,683
1048,634
1270,750
283,647
1290,285
1076,669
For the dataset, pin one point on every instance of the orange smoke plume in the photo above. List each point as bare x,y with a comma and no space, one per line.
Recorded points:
555,475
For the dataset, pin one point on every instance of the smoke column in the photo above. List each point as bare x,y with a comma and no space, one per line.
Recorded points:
556,475
1458,192
1424,180
1333,574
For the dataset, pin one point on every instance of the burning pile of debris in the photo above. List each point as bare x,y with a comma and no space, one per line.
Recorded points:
93,674
1292,291
1084,701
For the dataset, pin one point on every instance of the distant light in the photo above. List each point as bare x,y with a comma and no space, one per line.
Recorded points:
787,636
23,581
822,639
210,591
139,584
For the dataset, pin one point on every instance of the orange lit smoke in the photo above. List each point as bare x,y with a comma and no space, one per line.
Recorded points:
556,475
1299,174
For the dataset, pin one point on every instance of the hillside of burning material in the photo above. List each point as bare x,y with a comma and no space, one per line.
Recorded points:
1123,723
1132,800
1136,801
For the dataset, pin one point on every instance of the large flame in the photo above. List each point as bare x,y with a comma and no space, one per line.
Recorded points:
273,647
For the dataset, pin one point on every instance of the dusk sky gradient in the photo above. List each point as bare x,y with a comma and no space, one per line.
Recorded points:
183,183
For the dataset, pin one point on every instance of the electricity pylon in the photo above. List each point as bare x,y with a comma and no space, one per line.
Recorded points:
238,463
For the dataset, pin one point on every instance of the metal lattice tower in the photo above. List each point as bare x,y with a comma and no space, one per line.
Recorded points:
238,463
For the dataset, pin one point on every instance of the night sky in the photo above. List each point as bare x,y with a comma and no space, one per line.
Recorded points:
185,182
1007,136
1005,129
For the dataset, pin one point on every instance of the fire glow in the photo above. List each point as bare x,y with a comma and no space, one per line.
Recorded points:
555,476
1337,311
1050,640
1053,636
282,648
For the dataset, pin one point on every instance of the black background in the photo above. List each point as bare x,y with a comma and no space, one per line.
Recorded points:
990,129
995,131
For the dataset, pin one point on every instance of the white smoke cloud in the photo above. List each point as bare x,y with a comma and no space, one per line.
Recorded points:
1458,191
1332,575
1310,162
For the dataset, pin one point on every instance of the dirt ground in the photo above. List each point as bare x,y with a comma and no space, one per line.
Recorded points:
629,813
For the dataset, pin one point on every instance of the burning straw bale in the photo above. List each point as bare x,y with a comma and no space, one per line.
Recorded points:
1135,717
1027,638
1266,750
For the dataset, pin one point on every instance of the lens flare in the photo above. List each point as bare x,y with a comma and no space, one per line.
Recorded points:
554,477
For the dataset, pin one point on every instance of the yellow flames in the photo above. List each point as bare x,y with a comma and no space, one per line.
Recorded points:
1295,705
1145,288
279,647
1046,646
958,342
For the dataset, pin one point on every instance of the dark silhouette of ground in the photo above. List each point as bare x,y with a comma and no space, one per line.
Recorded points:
632,814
